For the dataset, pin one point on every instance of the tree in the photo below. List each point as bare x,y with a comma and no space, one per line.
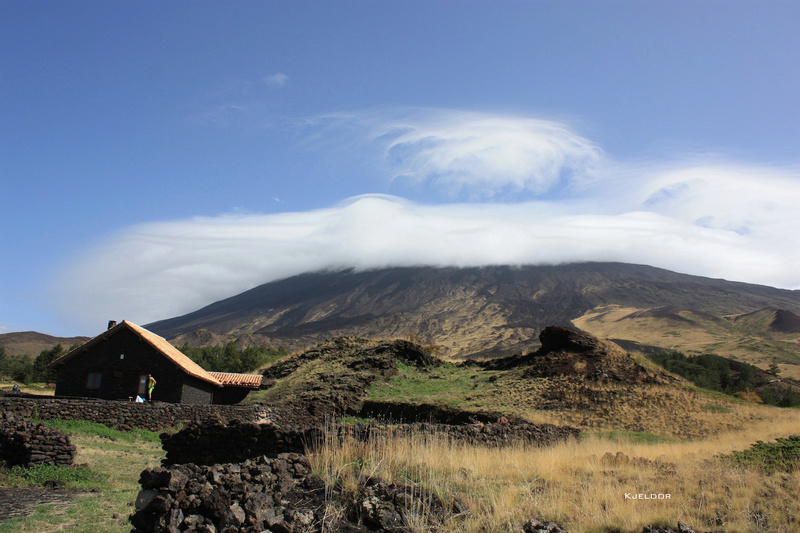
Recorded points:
41,365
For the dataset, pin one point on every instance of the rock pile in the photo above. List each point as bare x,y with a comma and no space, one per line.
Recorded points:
25,443
276,495
265,494
620,459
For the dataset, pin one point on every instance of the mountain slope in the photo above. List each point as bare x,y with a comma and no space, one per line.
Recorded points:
488,311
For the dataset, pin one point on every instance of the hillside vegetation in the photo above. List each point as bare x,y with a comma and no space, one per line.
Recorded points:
717,373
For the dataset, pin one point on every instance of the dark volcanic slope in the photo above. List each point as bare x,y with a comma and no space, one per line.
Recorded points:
487,310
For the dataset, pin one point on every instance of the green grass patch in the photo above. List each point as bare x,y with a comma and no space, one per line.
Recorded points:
93,429
113,462
635,437
79,478
447,384
783,455
720,409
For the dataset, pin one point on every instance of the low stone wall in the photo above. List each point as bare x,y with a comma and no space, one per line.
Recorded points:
489,434
409,413
126,415
214,442
25,443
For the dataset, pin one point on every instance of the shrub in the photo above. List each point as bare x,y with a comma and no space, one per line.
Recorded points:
783,455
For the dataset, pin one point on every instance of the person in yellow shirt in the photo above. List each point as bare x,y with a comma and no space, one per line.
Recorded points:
151,384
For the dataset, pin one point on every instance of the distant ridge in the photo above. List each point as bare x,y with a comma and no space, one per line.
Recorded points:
477,312
32,343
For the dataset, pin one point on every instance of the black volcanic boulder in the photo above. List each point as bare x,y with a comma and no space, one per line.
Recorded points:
569,352
564,339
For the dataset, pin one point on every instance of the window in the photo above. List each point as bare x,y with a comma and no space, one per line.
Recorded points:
93,380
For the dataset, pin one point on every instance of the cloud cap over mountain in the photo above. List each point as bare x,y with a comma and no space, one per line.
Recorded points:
512,190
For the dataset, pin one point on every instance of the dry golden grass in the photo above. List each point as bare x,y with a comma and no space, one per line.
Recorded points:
573,485
32,388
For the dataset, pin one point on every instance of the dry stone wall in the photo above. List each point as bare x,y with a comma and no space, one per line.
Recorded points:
215,442
490,434
211,442
126,415
26,443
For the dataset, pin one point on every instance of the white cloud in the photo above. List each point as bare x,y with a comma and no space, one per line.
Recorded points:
469,154
715,219
278,79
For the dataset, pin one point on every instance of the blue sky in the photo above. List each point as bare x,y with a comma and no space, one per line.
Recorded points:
158,156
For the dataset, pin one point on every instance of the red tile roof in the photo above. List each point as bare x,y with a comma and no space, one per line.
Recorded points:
174,354
229,379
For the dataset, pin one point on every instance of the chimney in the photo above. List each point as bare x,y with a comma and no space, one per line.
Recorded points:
112,323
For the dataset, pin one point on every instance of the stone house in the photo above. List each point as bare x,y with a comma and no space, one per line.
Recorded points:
115,364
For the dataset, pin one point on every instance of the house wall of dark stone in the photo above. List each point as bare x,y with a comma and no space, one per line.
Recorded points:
230,395
196,391
121,359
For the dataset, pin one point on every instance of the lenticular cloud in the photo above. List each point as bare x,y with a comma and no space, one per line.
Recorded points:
485,155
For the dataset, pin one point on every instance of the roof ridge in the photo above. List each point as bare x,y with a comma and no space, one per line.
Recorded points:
172,353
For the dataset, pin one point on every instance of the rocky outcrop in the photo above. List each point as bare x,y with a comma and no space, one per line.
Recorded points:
332,378
26,443
569,352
